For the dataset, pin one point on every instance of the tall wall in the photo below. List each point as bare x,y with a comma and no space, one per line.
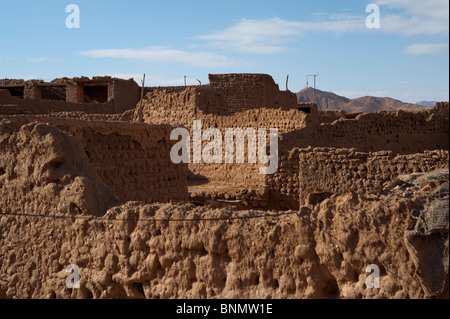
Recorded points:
226,94
164,106
126,94
180,109
132,159
246,91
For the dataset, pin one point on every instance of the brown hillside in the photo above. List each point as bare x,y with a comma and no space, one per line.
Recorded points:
328,101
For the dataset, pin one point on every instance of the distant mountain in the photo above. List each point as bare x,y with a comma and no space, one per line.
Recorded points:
374,104
330,101
427,103
325,100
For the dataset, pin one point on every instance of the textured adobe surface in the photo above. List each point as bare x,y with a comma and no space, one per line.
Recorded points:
321,252
358,206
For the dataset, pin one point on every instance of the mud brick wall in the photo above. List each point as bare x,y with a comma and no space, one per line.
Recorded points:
285,257
338,170
401,132
160,106
74,93
179,109
330,116
182,107
247,91
284,121
50,93
12,82
226,94
126,94
283,186
44,170
132,159
4,94
169,89
246,174
15,105
122,95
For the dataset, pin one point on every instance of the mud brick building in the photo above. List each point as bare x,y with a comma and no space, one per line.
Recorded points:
107,94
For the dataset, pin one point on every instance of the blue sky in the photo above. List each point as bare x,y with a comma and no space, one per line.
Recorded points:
407,58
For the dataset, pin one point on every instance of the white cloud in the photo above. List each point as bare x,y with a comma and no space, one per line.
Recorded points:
276,35
164,54
426,48
437,9
417,17
272,36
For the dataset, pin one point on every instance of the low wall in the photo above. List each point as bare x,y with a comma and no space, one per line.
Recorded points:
44,170
15,105
132,159
269,257
401,132
340,170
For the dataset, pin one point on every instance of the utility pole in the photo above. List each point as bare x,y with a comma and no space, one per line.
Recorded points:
141,111
314,75
287,80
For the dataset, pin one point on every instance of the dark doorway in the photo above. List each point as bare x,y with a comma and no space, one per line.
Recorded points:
306,110
16,91
96,94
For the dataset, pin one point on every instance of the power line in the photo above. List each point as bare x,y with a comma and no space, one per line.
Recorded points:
319,226
94,218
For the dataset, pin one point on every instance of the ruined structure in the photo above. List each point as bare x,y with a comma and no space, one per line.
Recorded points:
229,93
350,190
133,160
96,95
